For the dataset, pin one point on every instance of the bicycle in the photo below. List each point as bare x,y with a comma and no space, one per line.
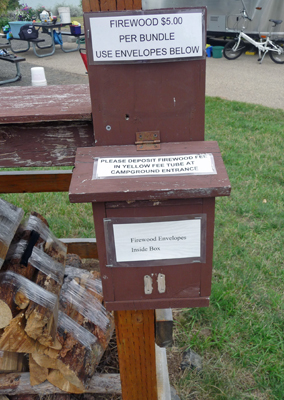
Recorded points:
234,48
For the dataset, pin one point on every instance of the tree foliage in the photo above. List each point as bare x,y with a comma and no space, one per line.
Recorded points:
3,5
8,5
13,4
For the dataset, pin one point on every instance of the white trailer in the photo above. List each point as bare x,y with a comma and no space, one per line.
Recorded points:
224,16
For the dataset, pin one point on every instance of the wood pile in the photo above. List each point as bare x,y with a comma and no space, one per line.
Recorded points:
51,310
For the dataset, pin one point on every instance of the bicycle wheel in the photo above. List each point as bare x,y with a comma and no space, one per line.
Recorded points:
230,53
278,57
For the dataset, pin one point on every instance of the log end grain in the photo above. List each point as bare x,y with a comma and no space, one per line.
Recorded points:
5,314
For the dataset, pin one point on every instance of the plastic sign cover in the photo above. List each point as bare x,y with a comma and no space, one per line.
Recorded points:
147,36
185,164
168,240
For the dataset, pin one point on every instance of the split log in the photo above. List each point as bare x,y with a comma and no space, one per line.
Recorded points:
23,291
77,360
84,306
18,257
84,332
59,380
56,249
8,294
47,241
10,218
15,339
89,280
35,222
12,362
38,374
14,260
5,314
41,322
13,264
19,383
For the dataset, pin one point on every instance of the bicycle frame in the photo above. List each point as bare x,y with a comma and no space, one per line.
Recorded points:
263,47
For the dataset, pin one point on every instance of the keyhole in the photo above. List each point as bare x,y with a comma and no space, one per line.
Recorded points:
126,117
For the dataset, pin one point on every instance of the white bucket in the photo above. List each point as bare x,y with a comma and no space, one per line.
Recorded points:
64,14
38,76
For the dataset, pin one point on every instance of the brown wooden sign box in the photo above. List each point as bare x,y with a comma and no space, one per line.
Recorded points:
187,284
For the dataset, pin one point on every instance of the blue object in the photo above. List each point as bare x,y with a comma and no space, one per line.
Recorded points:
57,37
209,51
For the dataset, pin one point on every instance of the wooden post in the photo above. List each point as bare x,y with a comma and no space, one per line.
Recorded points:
136,350
135,330
110,5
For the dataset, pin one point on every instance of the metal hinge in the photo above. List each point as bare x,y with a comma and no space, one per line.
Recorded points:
149,140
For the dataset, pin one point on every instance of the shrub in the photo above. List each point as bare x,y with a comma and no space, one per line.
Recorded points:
3,21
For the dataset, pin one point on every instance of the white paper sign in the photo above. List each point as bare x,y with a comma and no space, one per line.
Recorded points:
186,164
146,37
157,240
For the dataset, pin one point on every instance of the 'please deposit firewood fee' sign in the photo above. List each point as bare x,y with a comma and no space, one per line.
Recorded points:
143,36
185,164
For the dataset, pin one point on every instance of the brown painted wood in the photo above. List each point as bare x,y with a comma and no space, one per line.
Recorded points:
136,351
95,5
43,144
120,4
34,181
137,4
84,189
86,5
108,5
168,97
124,287
19,383
206,273
55,103
154,304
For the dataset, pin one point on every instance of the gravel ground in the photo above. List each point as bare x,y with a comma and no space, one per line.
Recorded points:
60,68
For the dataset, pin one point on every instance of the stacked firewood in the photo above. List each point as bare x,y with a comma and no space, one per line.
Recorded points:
50,309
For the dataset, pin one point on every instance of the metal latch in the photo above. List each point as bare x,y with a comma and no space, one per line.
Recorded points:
161,283
149,140
148,284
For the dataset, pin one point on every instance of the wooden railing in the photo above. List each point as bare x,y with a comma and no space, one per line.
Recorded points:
43,128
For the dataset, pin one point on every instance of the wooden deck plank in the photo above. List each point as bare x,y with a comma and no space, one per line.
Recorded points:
23,104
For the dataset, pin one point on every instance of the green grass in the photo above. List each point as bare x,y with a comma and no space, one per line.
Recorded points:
240,335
